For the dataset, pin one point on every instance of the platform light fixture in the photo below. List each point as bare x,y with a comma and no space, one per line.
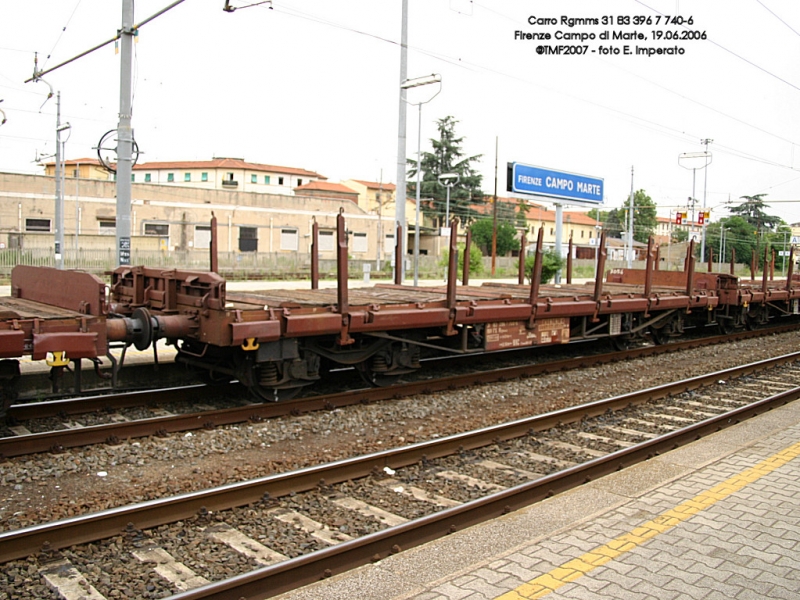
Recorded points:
408,84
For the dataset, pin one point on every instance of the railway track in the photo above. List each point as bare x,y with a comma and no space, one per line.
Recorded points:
54,425
266,536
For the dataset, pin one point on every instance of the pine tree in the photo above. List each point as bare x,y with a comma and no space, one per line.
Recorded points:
447,157
752,211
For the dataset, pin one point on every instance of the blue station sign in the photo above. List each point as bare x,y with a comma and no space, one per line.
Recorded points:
537,181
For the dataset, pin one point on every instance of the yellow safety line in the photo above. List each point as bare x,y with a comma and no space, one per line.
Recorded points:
576,568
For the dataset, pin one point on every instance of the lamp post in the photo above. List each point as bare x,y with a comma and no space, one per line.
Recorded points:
408,84
448,180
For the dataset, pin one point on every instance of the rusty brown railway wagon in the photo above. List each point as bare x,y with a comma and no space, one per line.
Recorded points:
51,315
277,342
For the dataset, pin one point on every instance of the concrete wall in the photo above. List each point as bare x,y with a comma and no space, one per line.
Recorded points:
177,216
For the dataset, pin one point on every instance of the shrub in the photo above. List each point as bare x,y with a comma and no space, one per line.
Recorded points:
475,260
551,263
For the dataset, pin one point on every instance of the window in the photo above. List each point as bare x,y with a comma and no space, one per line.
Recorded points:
107,226
76,172
266,179
388,243
187,176
133,177
37,225
359,242
202,236
280,180
170,177
289,239
582,232
229,177
590,234
147,177
248,239
253,178
326,241
160,229
299,182
551,231
203,176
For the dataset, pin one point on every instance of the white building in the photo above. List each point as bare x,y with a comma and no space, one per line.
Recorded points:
232,174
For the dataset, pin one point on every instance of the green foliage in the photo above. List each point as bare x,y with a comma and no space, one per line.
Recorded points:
752,211
644,218
739,235
475,260
447,157
679,235
551,263
506,236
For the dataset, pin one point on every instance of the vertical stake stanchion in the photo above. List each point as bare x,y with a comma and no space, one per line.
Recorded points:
315,255
772,267
790,272
536,276
521,270
766,273
569,260
467,248
690,269
213,247
341,280
733,259
648,272
602,253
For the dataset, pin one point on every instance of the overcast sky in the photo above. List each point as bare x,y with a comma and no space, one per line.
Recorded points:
314,84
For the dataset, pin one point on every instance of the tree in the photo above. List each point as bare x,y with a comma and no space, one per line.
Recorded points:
739,234
752,210
616,222
506,236
447,157
644,218
598,215
679,235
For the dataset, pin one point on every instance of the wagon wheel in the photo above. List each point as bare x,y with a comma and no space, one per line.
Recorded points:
660,335
386,367
270,382
754,319
9,378
726,326
377,379
622,342
267,394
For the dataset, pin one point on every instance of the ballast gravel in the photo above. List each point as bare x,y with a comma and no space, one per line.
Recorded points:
45,487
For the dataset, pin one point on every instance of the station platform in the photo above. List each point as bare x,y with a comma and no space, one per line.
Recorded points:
715,519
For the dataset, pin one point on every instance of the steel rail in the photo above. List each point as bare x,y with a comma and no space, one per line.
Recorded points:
76,406
305,570
87,528
113,433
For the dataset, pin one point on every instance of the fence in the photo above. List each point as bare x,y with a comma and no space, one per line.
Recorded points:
278,265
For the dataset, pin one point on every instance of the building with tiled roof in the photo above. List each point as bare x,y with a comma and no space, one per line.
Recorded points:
327,189
82,168
379,198
233,174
